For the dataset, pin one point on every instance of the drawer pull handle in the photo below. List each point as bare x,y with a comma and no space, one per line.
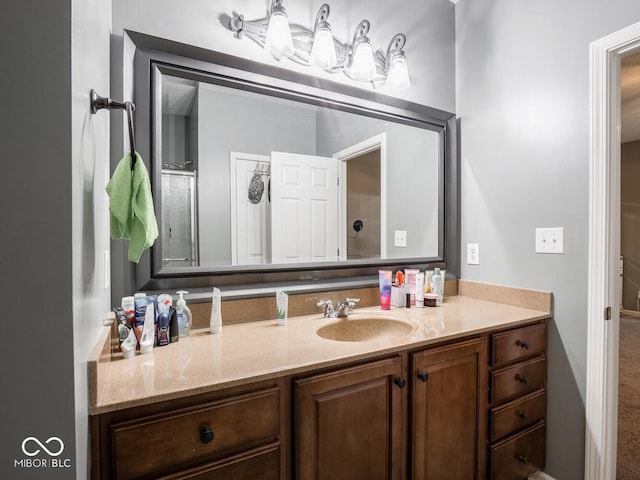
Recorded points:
523,345
522,415
521,379
424,376
522,459
206,435
399,381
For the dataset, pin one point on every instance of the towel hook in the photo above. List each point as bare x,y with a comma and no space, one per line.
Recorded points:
98,103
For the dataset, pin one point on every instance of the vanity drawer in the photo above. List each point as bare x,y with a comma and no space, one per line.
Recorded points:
518,343
259,464
517,379
518,456
516,415
154,443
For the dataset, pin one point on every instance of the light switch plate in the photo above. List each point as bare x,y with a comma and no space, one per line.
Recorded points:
400,238
473,254
106,258
550,240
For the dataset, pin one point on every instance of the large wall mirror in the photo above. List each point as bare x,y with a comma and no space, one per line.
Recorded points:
263,176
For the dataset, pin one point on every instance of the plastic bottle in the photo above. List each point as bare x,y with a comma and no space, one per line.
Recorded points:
184,315
147,338
164,304
128,305
436,286
215,324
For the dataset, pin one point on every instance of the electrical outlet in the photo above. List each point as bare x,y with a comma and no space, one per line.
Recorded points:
473,254
550,240
400,238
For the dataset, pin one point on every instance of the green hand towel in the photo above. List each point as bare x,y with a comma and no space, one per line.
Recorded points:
131,206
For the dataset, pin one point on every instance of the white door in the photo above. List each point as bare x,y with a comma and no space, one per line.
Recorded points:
249,221
304,208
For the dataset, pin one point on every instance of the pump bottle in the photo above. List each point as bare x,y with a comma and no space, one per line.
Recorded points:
184,315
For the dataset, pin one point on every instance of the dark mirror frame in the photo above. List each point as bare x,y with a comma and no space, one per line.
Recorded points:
156,56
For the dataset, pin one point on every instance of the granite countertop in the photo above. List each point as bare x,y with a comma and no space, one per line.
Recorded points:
258,351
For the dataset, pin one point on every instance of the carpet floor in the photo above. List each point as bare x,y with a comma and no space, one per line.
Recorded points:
628,462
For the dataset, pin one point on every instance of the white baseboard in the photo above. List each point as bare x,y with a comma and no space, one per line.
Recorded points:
540,475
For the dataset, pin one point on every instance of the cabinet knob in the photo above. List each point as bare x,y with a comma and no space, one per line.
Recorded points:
206,435
521,379
522,459
523,345
522,415
424,376
399,381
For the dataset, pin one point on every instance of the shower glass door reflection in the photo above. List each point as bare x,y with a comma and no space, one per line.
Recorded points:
179,236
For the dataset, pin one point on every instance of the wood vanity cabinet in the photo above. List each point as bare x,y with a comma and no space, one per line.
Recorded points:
237,435
448,408
348,423
470,409
517,402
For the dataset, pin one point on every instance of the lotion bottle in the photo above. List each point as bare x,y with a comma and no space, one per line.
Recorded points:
184,315
437,284
215,324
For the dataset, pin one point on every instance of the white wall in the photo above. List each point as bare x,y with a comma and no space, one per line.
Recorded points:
90,173
522,93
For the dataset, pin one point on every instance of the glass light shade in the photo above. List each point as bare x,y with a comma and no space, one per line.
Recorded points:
323,51
398,74
363,66
278,42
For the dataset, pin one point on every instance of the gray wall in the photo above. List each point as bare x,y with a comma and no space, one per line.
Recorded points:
522,94
56,161
630,226
411,175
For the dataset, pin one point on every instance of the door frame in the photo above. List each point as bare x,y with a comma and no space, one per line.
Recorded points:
601,401
377,142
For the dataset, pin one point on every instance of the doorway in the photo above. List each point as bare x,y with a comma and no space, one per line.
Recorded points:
604,251
370,158
363,206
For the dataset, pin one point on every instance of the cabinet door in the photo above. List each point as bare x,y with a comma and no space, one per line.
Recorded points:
448,412
348,423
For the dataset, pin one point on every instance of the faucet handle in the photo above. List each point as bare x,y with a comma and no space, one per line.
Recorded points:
351,302
328,306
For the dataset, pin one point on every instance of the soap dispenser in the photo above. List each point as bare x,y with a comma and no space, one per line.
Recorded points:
184,314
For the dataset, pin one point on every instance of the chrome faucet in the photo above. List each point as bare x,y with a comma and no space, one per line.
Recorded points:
343,309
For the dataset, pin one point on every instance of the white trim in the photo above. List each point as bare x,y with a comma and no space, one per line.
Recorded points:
360,148
604,251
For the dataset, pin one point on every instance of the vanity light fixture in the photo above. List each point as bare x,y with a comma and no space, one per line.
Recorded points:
362,65
396,64
323,51
318,47
278,42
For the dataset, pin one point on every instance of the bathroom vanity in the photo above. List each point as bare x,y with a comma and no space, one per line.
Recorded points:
457,393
